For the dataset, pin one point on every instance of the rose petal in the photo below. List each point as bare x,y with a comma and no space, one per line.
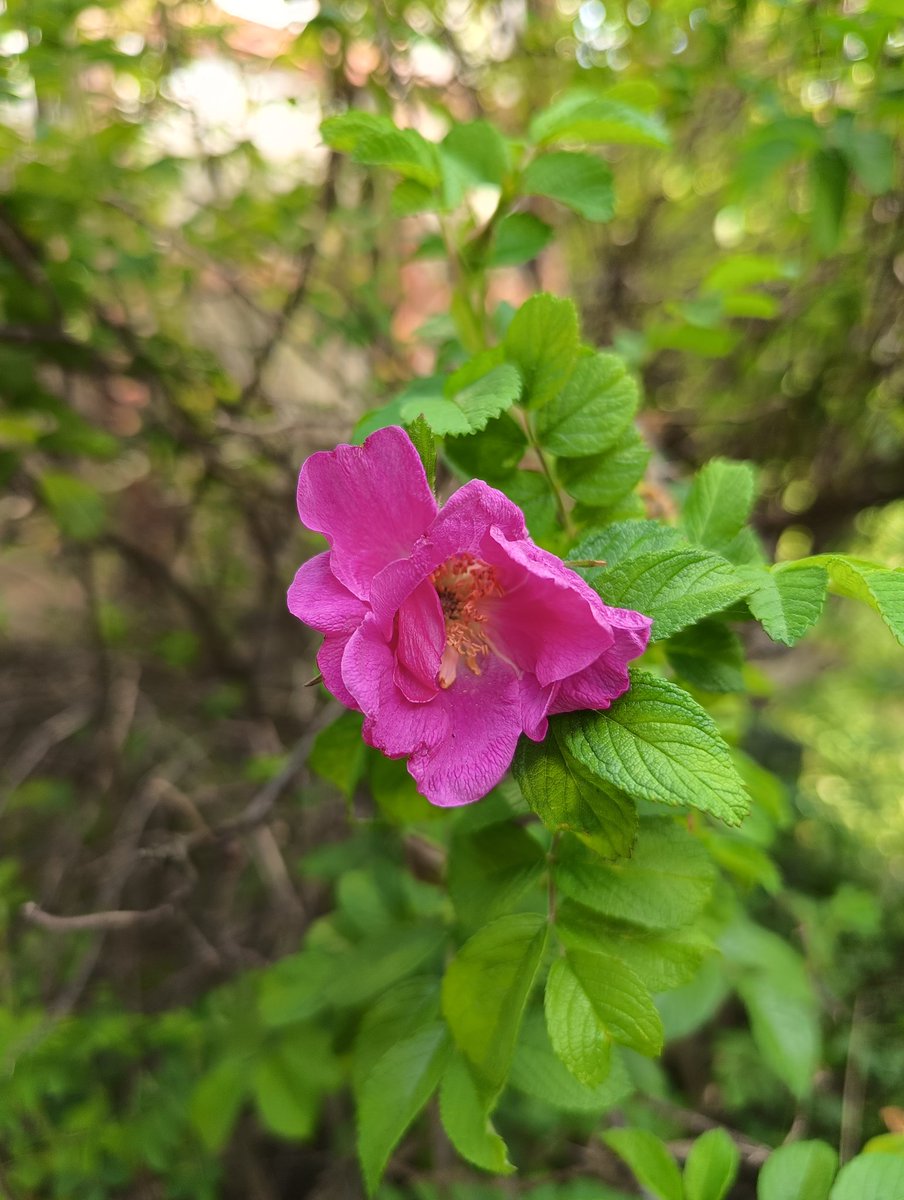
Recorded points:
318,598
420,638
371,502
548,620
483,724
460,528
606,679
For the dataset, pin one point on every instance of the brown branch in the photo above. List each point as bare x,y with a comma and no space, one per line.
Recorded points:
104,922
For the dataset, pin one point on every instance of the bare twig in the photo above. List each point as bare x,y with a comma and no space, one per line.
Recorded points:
115,919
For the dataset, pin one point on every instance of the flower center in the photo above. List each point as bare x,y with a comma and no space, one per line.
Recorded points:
462,583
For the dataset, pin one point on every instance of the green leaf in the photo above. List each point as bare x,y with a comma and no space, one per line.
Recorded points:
711,1167
773,982
490,868
708,656
624,540
581,182
602,480
519,237
655,1169
287,1079
582,115
871,1177
829,193
800,1171
593,999
530,490
486,987
592,412
464,1110
472,397
492,454
657,743
663,960
719,503
306,983
338,753
871,154
563,797
472,153
424,441
393,1094
674,587
539,1072
882,588
375,141
664,885
787,602
575,1033
542,342
77,507
403,1010
742,271
217,1099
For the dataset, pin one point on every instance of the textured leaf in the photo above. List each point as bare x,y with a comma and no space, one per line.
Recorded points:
489,868
538,1071
708,656
719,503
627,539
486,987
519,237
674,587
575,1032
602,480
787,602
581,182
663,960
711,1167
542,342
800,1171
492,454
464,1110
871,1177
882,588
393,1094
655,1169
563,797
424,441
467,409
582,115
656,743
593,410
594,988
664,884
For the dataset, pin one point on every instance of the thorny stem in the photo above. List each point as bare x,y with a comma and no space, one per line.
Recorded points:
564,515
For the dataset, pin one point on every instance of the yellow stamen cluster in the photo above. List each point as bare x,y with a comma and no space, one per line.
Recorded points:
462,583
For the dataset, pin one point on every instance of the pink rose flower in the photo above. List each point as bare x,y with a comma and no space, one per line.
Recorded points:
447,627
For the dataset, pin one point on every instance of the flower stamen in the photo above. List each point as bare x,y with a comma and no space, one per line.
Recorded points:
462,584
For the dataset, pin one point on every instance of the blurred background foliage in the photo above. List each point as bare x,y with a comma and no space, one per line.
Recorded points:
195,292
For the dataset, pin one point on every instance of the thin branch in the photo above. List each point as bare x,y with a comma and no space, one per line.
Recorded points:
115,919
